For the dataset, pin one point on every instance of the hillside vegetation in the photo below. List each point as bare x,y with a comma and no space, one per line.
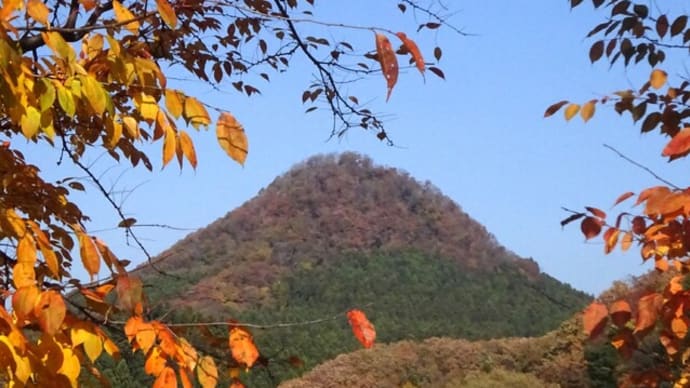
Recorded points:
337,232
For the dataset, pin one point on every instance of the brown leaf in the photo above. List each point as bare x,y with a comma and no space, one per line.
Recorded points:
623,197
554,108
414,51
388,61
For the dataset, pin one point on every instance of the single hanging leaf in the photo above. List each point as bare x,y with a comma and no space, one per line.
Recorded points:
232,138
591,227
242,346
571,111
388,61
414,51
361,327
554,108
167,13
658,78
623,197
647,311
195,113
594,319
169,143
123,15
89,253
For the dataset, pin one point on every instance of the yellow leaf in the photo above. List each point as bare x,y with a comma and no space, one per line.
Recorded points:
169,143
38,11
167,13
26,250
50,310
232,138
195,113
147,106
187,146
59,46
627,241
145,336
31,121
658,78
22,369
95,94
206,372
66,100
111,348
89,253
132,127
114,131
173,102
92,342
70,365
587,110
187,354
571,111
23,275
123,15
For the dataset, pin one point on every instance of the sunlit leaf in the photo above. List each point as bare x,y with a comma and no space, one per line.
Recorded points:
588,110
206,372
658,78
571,110
242,346
187,146
414,51
647,312
123,15
594,319
167,379
679,144
89,253
167,13
620,313
50,310
388,61
231,137
361,327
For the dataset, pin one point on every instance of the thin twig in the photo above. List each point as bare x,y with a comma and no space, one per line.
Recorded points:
647,169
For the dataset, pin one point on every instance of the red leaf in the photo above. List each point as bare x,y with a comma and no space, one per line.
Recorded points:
361,327
554,108
388,61
596,212
591,227
594,319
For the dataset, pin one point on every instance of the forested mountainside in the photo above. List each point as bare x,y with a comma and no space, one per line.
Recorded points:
337,232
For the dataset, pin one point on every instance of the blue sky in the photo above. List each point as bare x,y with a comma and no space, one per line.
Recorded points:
480,136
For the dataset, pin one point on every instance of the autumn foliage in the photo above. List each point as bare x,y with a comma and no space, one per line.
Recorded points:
635,33
85,76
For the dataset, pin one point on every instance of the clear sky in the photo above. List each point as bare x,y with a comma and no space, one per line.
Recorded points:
479,136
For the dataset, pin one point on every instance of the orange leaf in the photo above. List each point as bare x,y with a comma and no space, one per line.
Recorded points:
23,302
129,292
594,319
610,239
361,327
166,379
414,51
187,146
50,311
231,137
679,144
596,212
658,78
388,61
155,362
647,311
38,10
89,253
679,327
242,346
626,241
591,227
236,383
620,313
167,13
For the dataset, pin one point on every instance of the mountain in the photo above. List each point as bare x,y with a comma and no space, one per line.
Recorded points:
337,232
